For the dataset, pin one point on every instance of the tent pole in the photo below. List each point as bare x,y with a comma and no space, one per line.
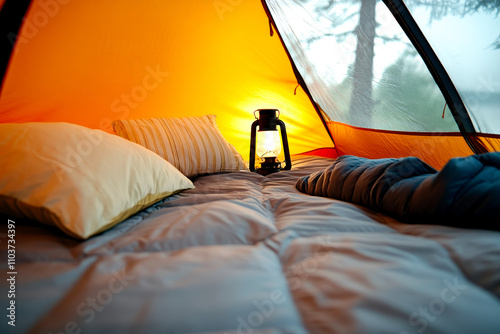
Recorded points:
438,72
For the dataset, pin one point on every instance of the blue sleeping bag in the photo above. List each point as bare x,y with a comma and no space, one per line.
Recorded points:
465,193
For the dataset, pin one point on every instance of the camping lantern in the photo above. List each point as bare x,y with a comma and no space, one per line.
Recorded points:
266,142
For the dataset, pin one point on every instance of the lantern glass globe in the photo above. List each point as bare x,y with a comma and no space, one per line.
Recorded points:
268,144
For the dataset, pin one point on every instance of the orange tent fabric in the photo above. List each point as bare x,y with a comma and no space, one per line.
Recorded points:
93,63
434,148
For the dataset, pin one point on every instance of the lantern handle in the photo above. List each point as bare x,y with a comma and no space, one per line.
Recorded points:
277,117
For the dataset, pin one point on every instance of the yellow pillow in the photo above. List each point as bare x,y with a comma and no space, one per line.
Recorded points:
194,145
81,180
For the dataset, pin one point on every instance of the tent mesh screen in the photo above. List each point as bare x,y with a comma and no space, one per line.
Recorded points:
359,65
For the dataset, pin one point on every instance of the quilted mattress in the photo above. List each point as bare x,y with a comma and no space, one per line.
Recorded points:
243,253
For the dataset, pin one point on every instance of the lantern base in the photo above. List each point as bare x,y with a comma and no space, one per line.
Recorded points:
269,166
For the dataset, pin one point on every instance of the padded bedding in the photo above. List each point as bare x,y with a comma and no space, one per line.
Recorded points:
243,253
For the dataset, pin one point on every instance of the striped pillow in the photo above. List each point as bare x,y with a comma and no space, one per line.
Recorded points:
194,145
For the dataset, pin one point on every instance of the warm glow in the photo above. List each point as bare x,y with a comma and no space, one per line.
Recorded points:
92,64
268,144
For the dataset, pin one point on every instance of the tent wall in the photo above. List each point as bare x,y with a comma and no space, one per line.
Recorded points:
490,142
90,62
434,148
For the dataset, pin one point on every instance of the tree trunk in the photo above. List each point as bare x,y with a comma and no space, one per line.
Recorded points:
361,107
